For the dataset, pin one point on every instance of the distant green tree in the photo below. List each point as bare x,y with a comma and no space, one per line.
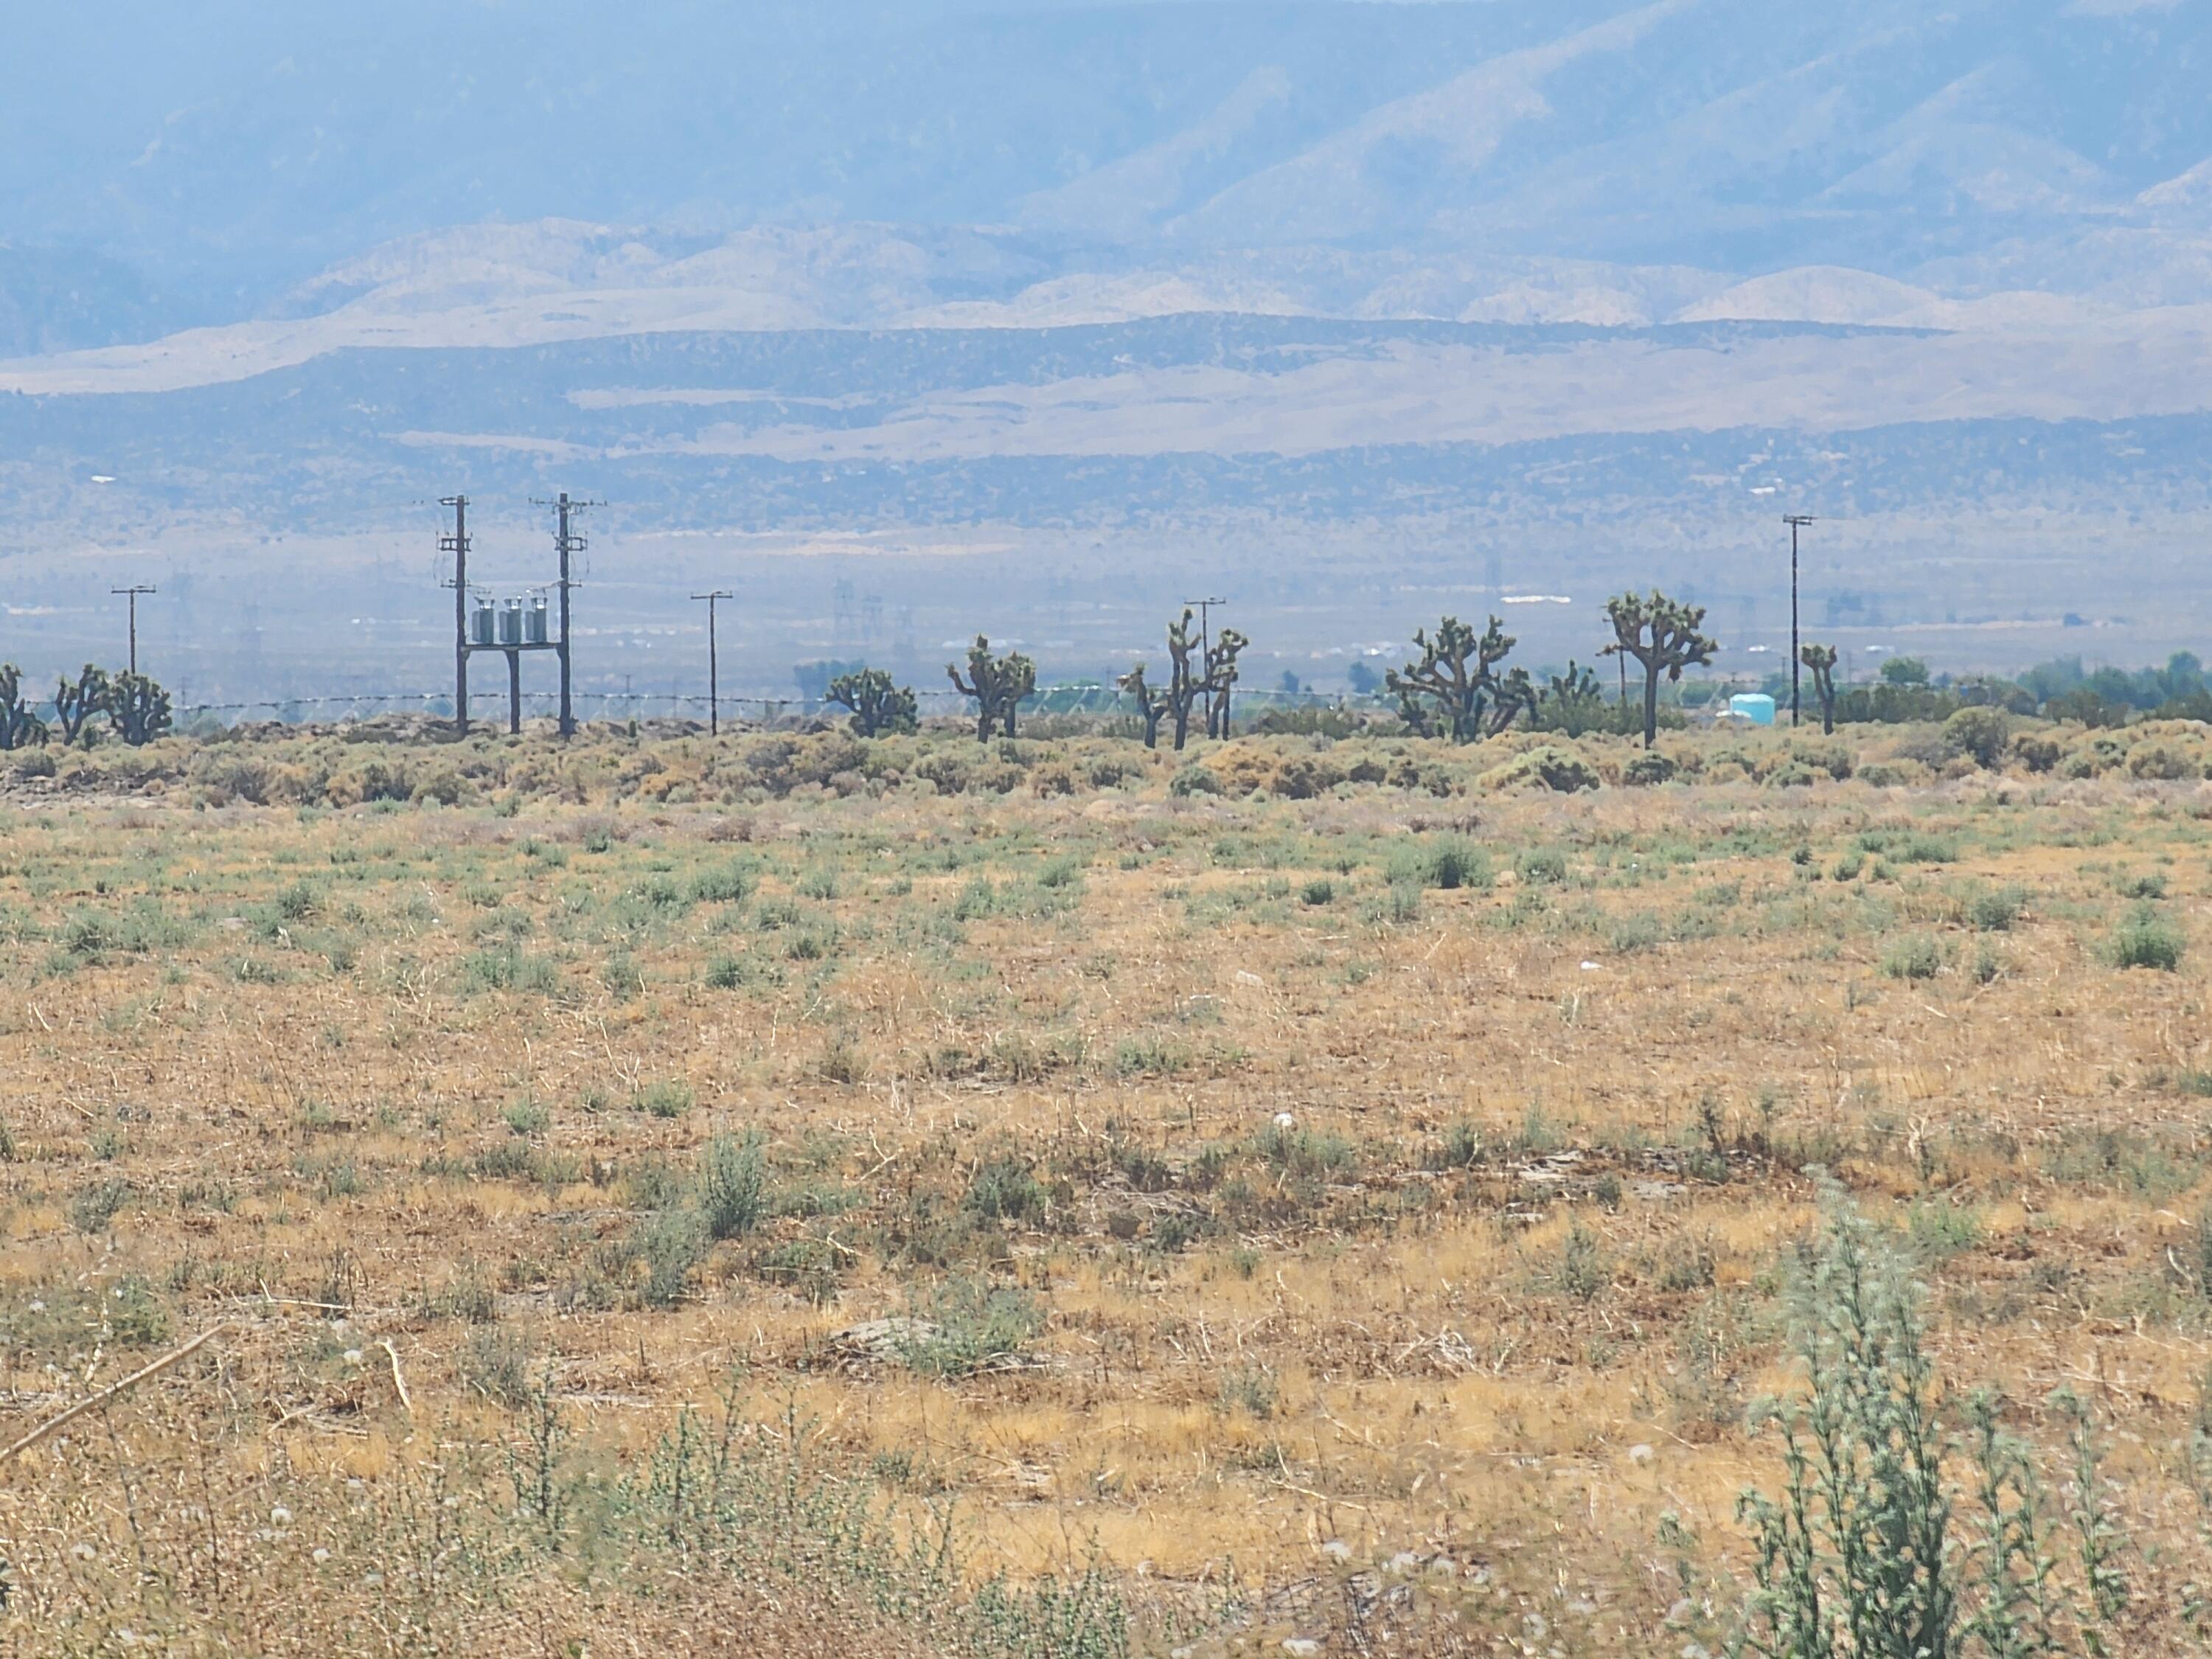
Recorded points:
997,683
1661,634
1361,678
1905,670
879,705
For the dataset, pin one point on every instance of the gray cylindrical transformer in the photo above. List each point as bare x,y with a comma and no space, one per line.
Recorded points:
480,624
533,621
510,622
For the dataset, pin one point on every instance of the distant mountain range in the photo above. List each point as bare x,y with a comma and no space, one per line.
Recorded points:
234,149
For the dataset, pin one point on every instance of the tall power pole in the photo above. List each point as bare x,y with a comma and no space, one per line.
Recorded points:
134,590
714,665
457,545
1796,521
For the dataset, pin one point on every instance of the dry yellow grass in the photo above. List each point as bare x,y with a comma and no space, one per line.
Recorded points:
1498,1290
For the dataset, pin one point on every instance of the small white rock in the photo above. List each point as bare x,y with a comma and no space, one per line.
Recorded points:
353,1355
1641,1454
281,1516
1337,1550
1589,967
1284,1120
1303,1647
321,1556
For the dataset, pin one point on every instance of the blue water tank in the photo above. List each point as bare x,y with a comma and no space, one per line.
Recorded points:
1754,705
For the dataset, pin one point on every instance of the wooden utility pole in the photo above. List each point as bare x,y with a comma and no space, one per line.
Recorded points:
134,590
1796,521
714,665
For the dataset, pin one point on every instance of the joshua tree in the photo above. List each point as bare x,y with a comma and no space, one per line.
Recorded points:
1186,684
77,702
137,708
1220,675
1573,703
878,705
1455,689
18,727
1821,659
997,683
1660,634
1151,704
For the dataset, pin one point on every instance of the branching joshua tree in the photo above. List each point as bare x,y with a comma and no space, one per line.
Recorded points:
1660,634
1573,703
997,683
78,701
1186,681
1455,690
1153,702
1821,659
18,727
1220,675
879,705
137,708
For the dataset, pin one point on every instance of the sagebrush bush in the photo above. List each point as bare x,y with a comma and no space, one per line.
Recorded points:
732,1185
2147,939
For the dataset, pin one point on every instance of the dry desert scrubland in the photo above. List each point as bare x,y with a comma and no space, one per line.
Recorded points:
791,1195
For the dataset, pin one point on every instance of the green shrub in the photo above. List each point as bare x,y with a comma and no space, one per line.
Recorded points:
1543,864
93,1208
732,1185
1004,1190
1318,892
664,1099
968,1327
2147,939
1995,909
1648,768
2161,761
1980,733
1916,956
1194,781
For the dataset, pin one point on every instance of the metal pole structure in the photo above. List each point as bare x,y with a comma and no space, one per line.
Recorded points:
567,544
714,665
1205,647
134,590
1796,521
514,694
457,545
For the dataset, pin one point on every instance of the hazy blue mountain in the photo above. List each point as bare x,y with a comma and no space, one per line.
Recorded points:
229,150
